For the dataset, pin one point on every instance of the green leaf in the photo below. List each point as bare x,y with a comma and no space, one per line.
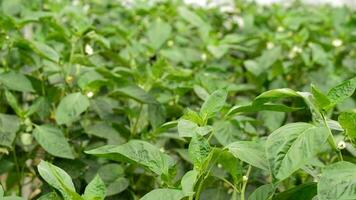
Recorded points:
70,108
164,194
9,125
263,192
348,122
321,99
260,107
50,196
16,81
45,51
342,91
106,131
158,33
275,94
12,101
59,179
95,190
186,128
53,141
213,103
188,182
292,146
268,58
226,131
337,182
1,191
301,192
12,198
199,150
134,92
137,152
250,152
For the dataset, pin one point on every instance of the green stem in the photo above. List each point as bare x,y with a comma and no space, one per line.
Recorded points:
200,187
17,169
331,140
244,183
134,128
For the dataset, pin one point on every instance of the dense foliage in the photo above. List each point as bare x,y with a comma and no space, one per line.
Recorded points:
164,101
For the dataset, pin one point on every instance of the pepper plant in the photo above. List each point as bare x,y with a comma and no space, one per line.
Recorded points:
164,100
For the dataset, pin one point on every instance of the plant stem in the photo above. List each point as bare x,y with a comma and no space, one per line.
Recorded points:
134,128
19,176
244,183
331,140
200,187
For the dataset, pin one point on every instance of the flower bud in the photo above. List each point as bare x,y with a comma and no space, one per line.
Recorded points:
341,145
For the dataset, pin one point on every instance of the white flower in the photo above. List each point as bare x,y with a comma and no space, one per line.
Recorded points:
162,150
75,2
88,49
270,45
341,145
86,8
244,178
280,29
204,56
90,94
297,49
337,42
227,8
240,21
170,43
26,138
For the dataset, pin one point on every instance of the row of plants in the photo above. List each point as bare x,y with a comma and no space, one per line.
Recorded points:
163,100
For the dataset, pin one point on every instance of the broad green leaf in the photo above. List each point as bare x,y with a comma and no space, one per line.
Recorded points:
16,81
292,146
9,125
213,103
95,190
59,179
260,107
50,196
275,94
250,152
53,141
158,33
188,128
301,192
199,150
271,119
268,58
164,194
348,122
12,101
45,51
263,192
70,108
226,131
321,99
188,182
106,131
135,92
137,152
337,182
340,92
118,185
